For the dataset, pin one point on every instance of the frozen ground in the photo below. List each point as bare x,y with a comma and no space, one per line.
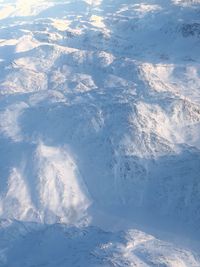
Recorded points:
100,133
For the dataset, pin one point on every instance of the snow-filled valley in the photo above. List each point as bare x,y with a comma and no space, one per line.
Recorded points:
100,133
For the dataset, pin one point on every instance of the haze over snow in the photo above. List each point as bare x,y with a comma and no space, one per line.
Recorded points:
99,133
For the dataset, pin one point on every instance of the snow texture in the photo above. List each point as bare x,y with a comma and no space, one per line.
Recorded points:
99,133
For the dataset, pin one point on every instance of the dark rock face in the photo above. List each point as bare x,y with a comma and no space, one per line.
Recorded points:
192,29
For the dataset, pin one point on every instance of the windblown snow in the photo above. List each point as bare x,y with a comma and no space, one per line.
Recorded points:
99,133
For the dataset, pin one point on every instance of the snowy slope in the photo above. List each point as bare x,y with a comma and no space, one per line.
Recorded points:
58,245
100,119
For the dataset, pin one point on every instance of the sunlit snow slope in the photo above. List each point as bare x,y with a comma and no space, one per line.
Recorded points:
99,121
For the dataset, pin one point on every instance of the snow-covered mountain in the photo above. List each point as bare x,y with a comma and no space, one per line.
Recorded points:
99,133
